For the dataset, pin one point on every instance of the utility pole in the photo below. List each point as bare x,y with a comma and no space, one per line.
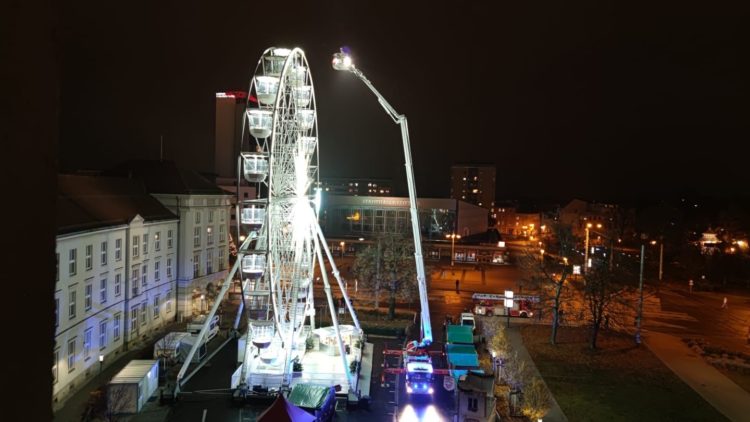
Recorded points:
640,301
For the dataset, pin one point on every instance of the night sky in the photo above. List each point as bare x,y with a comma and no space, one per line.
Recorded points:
594,99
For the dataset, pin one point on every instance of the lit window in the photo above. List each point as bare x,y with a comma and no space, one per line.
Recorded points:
209,236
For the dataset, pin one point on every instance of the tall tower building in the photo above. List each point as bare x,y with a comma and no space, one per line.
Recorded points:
474,183
230,108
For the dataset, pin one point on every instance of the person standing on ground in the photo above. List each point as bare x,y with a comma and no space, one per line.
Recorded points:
724,304
457,286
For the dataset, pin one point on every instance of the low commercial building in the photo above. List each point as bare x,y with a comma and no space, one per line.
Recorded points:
366,216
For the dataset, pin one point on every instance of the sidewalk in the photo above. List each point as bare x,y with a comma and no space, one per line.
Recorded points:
75,405
555,413
718,390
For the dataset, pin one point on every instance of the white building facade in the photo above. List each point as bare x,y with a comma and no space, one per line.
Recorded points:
114,287
116,276
203,248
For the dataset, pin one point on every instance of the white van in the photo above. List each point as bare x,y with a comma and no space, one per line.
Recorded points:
196,325
175,346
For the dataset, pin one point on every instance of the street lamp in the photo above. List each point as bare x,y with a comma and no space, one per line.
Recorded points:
342,248
101,363
586,248
453,237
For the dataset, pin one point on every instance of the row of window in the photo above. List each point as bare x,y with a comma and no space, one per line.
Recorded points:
209,262
104,253
157,243
87,344
138,313
222,216
103,289
209,235
141,272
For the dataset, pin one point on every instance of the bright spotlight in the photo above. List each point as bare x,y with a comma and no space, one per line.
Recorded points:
408,415
342,61
431,414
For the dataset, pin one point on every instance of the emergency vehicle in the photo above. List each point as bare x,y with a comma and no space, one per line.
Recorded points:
493,304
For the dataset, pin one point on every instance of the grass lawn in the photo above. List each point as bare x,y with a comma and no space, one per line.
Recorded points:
618,382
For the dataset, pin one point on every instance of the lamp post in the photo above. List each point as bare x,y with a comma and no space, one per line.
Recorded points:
586,247
101,363
342,244
640,300
453,237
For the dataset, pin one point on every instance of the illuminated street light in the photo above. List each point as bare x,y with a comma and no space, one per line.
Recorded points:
453,237
342,248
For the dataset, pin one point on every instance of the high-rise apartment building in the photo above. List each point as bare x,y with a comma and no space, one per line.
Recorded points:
474,183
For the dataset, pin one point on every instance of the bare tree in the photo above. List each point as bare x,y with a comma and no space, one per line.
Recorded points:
602,290
515,371
394,261
536,400
549,275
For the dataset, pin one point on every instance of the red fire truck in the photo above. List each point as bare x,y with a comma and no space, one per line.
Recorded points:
493,304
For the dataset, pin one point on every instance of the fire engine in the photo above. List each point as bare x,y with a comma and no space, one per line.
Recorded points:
493,304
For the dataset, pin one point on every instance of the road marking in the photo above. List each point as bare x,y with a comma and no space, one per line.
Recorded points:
204,415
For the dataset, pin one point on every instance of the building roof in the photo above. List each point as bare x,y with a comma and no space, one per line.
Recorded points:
86,202
482,383
462,355
165,177
459,334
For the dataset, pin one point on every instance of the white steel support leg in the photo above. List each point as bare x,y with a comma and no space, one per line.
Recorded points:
337,276
332,308
204,330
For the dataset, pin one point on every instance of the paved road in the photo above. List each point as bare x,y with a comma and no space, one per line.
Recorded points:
699,314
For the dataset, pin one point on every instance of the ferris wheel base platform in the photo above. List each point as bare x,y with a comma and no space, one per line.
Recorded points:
319,367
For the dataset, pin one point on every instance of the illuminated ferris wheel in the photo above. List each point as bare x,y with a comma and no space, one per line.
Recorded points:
278,255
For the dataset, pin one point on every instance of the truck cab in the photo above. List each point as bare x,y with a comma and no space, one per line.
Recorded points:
467,318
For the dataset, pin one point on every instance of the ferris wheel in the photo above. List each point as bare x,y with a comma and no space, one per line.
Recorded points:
278,255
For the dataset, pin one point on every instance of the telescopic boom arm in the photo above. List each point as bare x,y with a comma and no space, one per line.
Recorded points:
341,61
